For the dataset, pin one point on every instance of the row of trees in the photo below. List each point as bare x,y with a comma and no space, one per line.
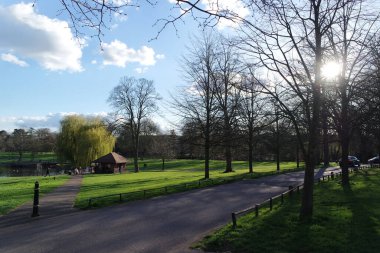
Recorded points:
285,45
282,47
28,140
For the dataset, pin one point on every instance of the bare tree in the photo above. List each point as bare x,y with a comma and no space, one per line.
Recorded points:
228,96
250,114
349,39
134,101
197,102
288,42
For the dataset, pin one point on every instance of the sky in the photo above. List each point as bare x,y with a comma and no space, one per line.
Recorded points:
47,72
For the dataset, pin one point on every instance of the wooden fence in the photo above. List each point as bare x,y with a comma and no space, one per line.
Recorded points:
289,193
153,192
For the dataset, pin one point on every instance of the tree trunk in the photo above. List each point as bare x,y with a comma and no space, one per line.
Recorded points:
307,197
227,142
306,212
297,156
228,159
250,150
326,157
207,151
344,134
277,144
136,157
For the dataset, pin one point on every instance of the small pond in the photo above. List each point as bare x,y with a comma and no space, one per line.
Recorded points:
7,171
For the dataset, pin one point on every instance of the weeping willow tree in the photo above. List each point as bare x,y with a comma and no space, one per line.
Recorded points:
82,140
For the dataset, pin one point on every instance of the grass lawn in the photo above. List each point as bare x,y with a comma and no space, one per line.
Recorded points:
345,220
8,157
15,191
152,177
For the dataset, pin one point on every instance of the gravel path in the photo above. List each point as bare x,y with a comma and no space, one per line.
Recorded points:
163,224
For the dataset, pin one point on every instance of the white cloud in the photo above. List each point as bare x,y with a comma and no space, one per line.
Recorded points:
48,41
160,56
13,59
141,70
118,54
94,62
51,120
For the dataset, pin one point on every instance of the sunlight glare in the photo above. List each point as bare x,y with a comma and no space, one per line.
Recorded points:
331,69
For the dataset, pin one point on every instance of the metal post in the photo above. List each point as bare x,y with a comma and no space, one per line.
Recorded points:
36,199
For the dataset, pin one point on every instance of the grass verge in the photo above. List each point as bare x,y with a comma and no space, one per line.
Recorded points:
151,177
345,220
15,191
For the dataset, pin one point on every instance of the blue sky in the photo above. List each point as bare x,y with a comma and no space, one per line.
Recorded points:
46,75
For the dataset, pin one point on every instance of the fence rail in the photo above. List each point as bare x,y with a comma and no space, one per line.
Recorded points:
120,197
289,193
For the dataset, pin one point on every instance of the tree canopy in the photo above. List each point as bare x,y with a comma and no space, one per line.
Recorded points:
82,140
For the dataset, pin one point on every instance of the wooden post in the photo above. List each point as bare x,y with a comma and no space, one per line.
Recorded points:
234,220
290,190
257,209
270,204
298,189
120,197
282,198
36,199
332,175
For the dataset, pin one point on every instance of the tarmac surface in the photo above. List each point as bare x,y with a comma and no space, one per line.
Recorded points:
56,203
163,224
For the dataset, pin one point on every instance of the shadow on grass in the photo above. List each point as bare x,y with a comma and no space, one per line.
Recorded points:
346,219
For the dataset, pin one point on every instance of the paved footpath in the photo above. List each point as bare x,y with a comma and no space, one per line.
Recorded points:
58,202
164,224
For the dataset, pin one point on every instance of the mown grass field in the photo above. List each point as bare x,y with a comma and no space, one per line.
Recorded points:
15,191
8,157
345,220
152,177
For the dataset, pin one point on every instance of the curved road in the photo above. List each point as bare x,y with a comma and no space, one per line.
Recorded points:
164,224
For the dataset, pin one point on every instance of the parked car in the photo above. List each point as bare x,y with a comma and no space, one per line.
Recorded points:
352,161
374,160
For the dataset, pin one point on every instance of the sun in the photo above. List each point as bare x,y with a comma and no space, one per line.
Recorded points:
331,69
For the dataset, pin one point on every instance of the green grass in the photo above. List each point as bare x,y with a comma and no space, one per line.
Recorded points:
15,191
152,177
344,220
8,157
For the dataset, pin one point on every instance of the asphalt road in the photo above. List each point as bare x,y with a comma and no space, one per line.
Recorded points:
163,224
